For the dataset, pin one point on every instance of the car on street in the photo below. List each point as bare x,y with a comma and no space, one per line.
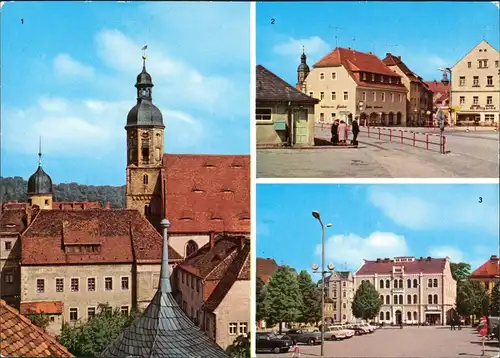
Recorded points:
358,329
270,342
304,336
335,333
368,326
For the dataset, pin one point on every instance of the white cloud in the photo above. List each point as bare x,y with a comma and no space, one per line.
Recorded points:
454,253
86,128
428,210
65,65
352,248
313,45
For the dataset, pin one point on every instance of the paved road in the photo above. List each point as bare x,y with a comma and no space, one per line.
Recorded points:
436,342
471,155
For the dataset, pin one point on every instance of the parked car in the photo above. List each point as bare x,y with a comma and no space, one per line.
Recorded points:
270,342
349,331
335,333
303,336
359,330
369,327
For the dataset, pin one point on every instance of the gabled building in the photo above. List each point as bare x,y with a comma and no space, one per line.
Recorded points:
411,290
163,330
475,86
440,94
21,338
488,273
340,289
419,96
213,287
266,268
284,115
350,83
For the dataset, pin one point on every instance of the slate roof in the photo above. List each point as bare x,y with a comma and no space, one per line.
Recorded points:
163,330
21,338
271,88
357,62
490,269
207,193
265,268
123,236
384,266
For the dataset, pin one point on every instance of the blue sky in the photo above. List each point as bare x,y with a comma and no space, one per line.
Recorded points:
68,73
376,221
427,35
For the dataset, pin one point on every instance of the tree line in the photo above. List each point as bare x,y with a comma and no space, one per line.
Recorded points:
15,188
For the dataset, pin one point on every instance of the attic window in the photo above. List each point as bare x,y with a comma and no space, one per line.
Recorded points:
209,165
82,249
186,215
237,164
197,190
227,190
245,215
10,226
216,217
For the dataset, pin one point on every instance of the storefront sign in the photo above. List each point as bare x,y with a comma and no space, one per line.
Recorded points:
341,106
328,106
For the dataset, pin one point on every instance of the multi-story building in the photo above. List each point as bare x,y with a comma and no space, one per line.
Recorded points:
440,94
213,287
350,83
411,290
340,289
475,86
419,96
488,273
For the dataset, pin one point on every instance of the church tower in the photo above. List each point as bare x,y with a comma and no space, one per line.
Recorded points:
145,134
302,72
40,186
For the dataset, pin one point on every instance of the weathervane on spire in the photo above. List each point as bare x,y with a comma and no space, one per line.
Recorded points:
40,151
144,48
303,49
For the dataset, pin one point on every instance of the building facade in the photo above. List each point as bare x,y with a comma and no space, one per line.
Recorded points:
418,98
284,115
488,273
340,289
475,86
350,84
412,291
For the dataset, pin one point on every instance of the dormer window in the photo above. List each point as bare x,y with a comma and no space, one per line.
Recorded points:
216,217
209,165
382,79
226,190
364,76
197,190
373,77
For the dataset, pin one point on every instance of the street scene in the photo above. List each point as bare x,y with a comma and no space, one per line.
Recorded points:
345,99
406,281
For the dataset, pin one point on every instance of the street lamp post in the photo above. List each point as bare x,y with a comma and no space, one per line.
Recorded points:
446,82
317,216
360,106
428,117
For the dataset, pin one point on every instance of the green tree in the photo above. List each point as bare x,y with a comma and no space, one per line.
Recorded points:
460,271
92,337
482,299
259,299
310,311
366,303
466,300
39,319
240,348
283,300
495,300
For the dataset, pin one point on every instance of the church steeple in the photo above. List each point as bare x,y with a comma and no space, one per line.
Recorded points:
302,71
144,83
40,185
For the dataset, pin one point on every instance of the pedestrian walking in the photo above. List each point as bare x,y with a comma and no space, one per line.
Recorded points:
452,324
355,131
342,132
334,130
459,324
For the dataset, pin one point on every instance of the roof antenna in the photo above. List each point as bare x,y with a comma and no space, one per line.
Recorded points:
40,151
336,41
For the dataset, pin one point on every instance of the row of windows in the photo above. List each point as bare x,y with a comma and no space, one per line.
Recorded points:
75,284
408,316
91,312
189,280
398,299
373,77
333,96
363,96
481,63
238,328
475,81
398,283
344,294
475,100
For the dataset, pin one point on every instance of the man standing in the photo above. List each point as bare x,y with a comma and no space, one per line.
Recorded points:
355,131
334,129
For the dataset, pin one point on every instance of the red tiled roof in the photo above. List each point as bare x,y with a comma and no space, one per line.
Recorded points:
436,86
490,269
239,269
122,235
21,338
76,205
13,220
391,60
266,268
384,266
207,193
49,307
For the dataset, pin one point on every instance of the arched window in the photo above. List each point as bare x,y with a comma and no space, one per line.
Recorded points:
408,283
145,179
408,315
381,283
396,299
382,299
415,299
191,247
429,282
429,299
435,299
401,299
381,316
400,283
435,282
388,316
387,284
395,283
415,316
387,300
415,283
408,299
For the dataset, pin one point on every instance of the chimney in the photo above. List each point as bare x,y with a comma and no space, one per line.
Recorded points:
212,240
107,206
494,258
